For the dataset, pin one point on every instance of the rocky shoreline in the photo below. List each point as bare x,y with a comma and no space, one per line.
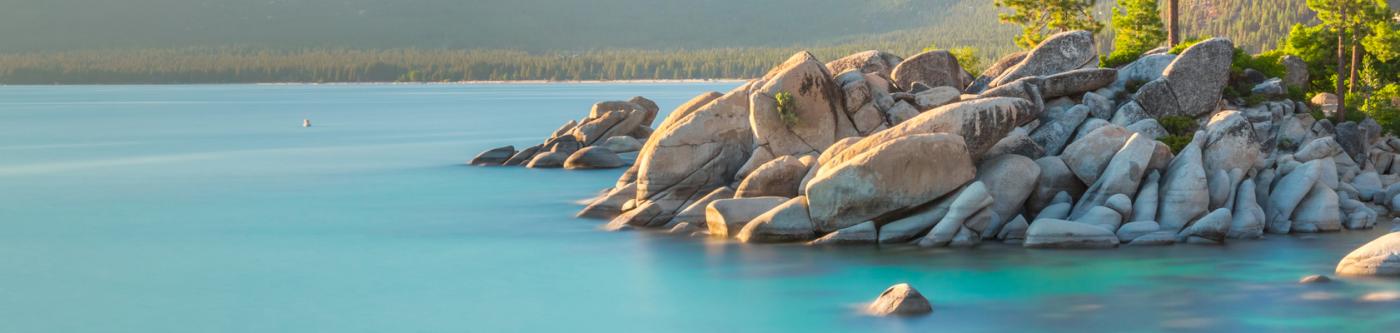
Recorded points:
1044,149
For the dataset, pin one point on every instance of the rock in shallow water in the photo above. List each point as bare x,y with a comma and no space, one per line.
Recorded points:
900,300
593,158
1380,257
1060,234
787,222
494,156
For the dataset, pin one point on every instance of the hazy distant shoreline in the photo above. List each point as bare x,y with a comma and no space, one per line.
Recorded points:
397,83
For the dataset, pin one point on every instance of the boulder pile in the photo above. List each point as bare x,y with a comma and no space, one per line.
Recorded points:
594,142
1043,149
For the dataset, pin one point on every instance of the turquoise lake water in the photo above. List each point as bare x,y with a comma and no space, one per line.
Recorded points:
209,209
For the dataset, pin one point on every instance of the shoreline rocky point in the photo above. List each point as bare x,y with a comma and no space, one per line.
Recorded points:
1044,149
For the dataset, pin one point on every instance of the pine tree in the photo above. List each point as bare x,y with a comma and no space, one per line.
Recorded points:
1038,18
1137,29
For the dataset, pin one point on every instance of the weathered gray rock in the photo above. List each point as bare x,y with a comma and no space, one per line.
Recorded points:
1160,238
1057,127
1150,128
1132,230
1380,257
1102,217
649,106
1247,217
1009,179
493,156
1271,88
932,68
523,156
871,61
860,234
1087,156
1214,226
1130,113
777,178
696,150
1122,175
622,144
1320,148
1319,211
609,205
1120,203
915,225
981,123
1077,82
1055,178
936,97
1014,230
996,69
1297,72
1354,140
1192,84
1185,195
900,300
593,158
879,180
787,222
816,117
1047,233
1059,53
548,160
1230,142
1018,142
1368,183
727,217
969,202
901,112
609,119
1288,192
635,217
1145,206
1146,69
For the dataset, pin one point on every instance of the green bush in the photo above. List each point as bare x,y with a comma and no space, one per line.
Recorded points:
1118,58
1381,106
1176,142
1179,125
787,108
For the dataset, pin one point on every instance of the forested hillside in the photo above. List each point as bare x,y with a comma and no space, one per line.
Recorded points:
184,41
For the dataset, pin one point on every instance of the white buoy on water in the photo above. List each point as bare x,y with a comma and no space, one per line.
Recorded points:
306,123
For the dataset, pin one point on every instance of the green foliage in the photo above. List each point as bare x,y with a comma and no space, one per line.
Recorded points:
1137,29
1185,44
1384,106
1178,125
1176,142
787,108
1040,18
966,55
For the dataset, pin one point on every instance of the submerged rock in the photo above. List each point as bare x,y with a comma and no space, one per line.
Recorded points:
494,156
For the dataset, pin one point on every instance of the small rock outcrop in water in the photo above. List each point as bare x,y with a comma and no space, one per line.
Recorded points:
1044,149
900,300
611,128
1380,257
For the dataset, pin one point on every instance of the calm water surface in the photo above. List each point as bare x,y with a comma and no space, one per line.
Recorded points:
209,209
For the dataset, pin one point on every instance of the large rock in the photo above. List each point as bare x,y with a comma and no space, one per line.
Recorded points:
1055,178
968,203
1058,126
1018,142
1380,257
900,300
1146,69
1121,176
695,212
1297,72
494,156
1149,127
1060,234
1185,195
1288,192
816,117
1145,203
871,61
981,123
1102,217
727,217
1088,156
1230,142
608,121
622,144
1192,84
880,180
523,156
1132,230
995,70
787,222
1319,211
1248,217
609,205
1059,53
779,178
548,160
932,68
695,154
1010,179
1130,113
860,234
1354,140
1214,226
593,158
1076,82
936,97
1320,148
649,106
917,224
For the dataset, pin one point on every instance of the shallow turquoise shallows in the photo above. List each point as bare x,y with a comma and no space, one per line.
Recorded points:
210,209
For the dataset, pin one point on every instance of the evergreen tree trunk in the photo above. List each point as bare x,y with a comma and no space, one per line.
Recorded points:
1355,59
1173,30
1341,64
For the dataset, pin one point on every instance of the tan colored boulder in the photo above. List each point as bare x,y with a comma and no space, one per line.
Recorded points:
727,217
593,158
871,61
1380,257
981,123
778,178
609,205
814,120
900,300
788,222
899,174
1059,53
932,68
